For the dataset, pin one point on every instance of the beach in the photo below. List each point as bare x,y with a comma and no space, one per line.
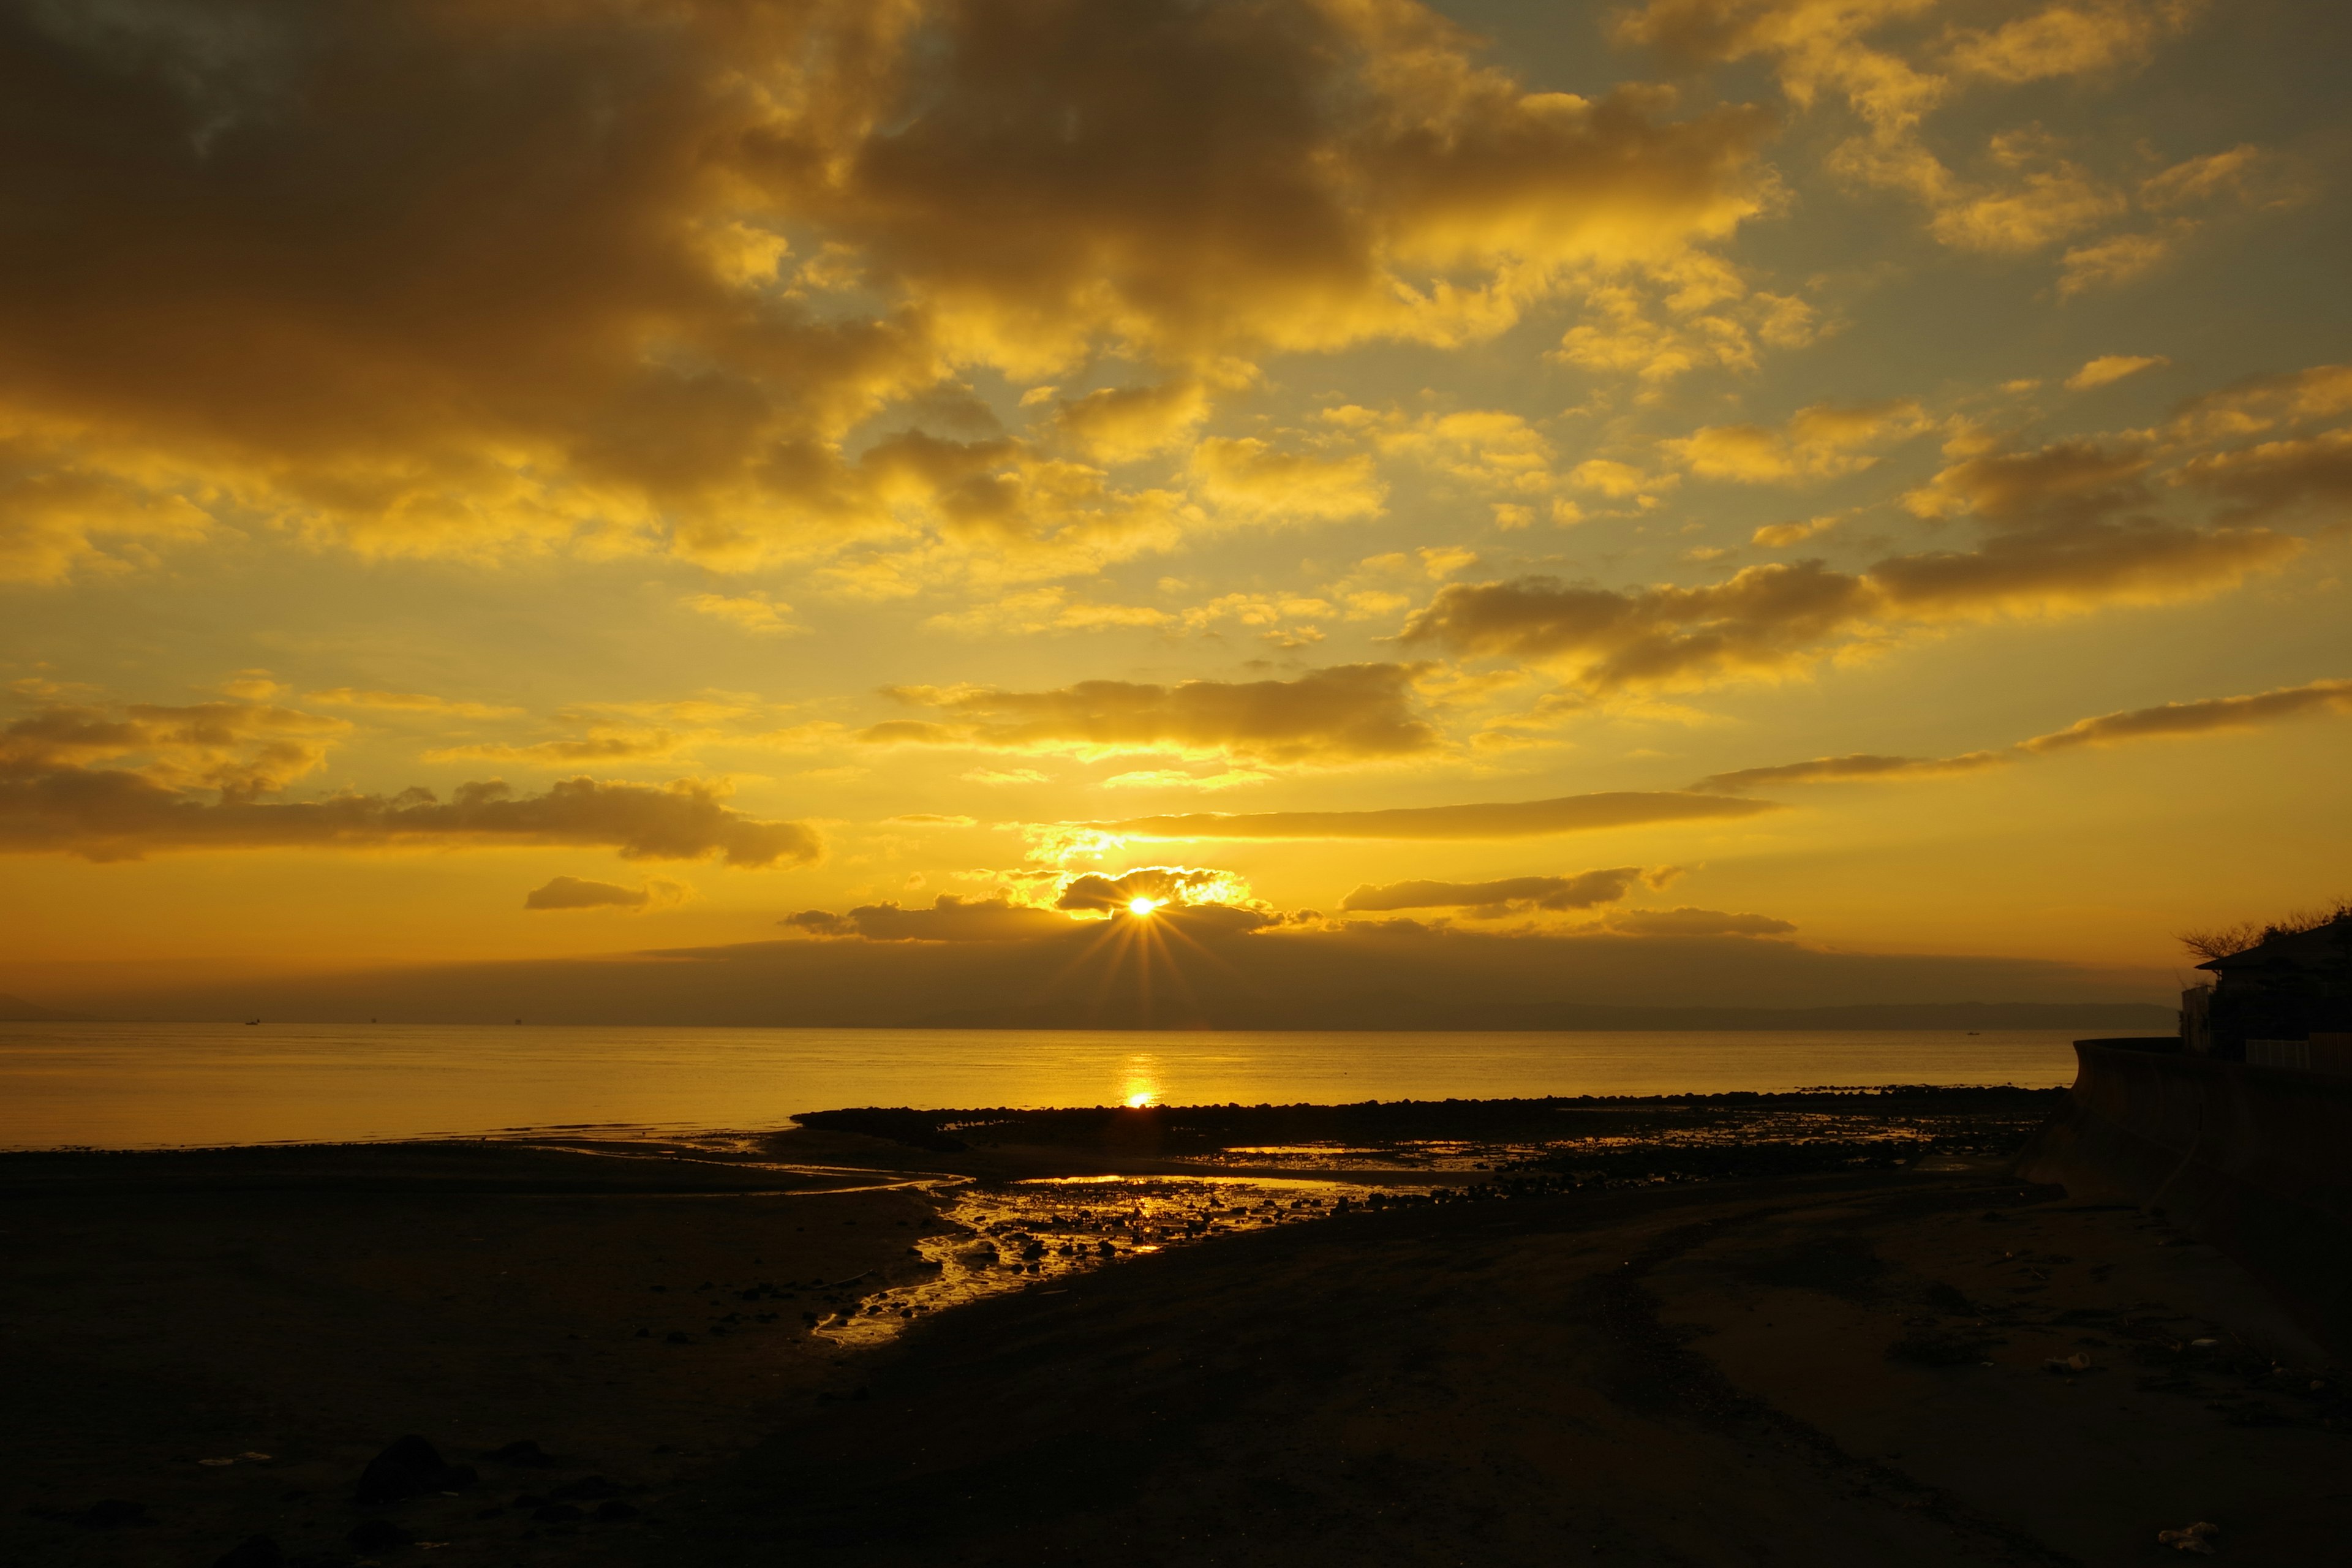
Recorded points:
1507,1331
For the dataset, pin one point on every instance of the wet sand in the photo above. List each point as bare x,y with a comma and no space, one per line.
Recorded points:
1740,1369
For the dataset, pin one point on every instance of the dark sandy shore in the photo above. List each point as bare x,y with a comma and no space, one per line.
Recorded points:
1751,1368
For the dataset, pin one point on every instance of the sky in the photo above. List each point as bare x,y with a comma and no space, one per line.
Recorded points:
1771,501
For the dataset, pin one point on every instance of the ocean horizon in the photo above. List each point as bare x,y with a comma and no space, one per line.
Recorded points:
157,1084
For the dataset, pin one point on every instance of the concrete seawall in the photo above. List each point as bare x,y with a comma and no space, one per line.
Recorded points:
2257,1161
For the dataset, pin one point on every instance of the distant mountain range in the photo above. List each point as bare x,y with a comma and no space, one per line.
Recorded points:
16,1010
1402,1012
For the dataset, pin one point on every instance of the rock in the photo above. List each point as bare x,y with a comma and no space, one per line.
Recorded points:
587,1489
678,1337
557,1513
112,1514
377,1535
253,1551
521,1451
614,1509
2197,1538
410,1468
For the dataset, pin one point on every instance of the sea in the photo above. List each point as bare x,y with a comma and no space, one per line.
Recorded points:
135,1086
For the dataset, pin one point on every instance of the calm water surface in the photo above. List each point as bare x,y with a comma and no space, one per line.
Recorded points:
140,1085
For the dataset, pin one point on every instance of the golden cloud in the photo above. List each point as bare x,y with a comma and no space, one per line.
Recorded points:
2118,258
608,746
2206,716
2023,197
637,274
579,893
753,611
1500,819
241,749
1353,712
1247,477
1854,766
112,814
2276,475
411,702
2068,532
1121,424
1581,890
949,919
1820,442
1691,922
2198,718
2110,368
1173,886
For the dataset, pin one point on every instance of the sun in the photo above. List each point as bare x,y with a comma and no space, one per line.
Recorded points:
1142,906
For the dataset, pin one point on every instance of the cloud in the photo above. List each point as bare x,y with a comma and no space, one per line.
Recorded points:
1708,318
2067,528
2206,716
1247,477
1817,442
2198,718
2028,207
1173,886
1583,891
1853,767
2108,368
604,746
2277,474
243,750
1502,819
2065,39
1175,778
2021,196
2118,258
1763,618
1782,535
753,612
632,276
1690,922
411,702
49,804
1345,713
2260,402
578,893
949,919
1122,424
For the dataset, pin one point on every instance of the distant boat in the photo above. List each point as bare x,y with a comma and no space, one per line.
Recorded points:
251,1022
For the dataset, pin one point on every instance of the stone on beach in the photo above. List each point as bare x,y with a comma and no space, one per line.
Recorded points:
410,1467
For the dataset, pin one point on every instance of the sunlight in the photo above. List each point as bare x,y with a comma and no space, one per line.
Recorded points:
1143,906
1139,1082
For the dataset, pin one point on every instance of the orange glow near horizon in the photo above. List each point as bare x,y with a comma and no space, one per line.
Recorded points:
1446,514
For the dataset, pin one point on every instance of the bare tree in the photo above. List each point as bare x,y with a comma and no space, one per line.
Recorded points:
2222,942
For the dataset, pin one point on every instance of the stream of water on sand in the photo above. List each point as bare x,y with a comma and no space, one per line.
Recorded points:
151,1085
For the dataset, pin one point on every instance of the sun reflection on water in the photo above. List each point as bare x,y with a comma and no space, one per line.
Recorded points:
1139,1082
